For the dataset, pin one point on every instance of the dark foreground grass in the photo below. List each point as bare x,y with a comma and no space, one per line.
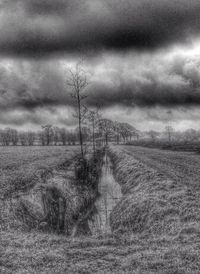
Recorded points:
43,253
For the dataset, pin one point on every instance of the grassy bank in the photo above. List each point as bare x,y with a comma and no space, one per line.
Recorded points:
23,167
59,198
152,204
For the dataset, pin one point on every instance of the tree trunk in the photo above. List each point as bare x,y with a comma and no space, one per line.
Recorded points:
93,139
106,139
79,124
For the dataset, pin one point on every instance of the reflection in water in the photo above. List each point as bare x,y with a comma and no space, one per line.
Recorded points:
110,194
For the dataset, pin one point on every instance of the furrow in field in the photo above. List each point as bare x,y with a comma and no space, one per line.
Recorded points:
180,166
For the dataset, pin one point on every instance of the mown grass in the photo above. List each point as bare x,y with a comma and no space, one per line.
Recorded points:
43,253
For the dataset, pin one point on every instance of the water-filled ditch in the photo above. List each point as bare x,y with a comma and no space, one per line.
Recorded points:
62,204
110,194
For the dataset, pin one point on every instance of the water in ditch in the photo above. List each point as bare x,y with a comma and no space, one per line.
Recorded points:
110,194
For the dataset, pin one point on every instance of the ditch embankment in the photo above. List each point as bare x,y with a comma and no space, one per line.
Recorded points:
61,202
109,195
84,198
152,204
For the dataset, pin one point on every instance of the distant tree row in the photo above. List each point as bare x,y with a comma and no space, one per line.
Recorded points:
49,135
171,135
95,130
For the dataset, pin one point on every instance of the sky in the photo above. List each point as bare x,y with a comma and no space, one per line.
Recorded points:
142,59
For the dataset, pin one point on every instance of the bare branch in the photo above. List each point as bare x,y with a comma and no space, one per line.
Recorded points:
77,81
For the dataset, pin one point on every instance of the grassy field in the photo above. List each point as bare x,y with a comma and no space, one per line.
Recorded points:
14,158
161,200
192,146
179,166
22,167
161,190
43,254
155,226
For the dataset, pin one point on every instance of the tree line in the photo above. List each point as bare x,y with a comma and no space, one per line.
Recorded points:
96,130
170,134
48,135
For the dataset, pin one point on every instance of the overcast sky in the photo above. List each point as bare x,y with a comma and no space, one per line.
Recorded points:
142,59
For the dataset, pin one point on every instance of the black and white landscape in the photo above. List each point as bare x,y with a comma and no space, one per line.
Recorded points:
99,136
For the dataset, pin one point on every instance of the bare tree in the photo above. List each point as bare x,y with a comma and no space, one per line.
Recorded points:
72,137
56,133
153,134
23,138
86,134
48,133
63,136
106,128
93,118
191,135
41,137
116,127
127,131
77,81
5,137
169,132
137,134
13,136
31,138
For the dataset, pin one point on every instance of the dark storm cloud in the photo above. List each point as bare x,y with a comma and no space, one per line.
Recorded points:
37,117
41,27
155,82
45,7
162,81
29,86
132,94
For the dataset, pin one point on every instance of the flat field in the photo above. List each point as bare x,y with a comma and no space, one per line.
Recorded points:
21,167
179,166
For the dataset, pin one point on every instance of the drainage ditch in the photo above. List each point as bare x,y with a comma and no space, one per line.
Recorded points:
110,194
76,201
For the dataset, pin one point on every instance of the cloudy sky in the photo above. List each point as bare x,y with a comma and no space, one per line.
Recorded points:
142,59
